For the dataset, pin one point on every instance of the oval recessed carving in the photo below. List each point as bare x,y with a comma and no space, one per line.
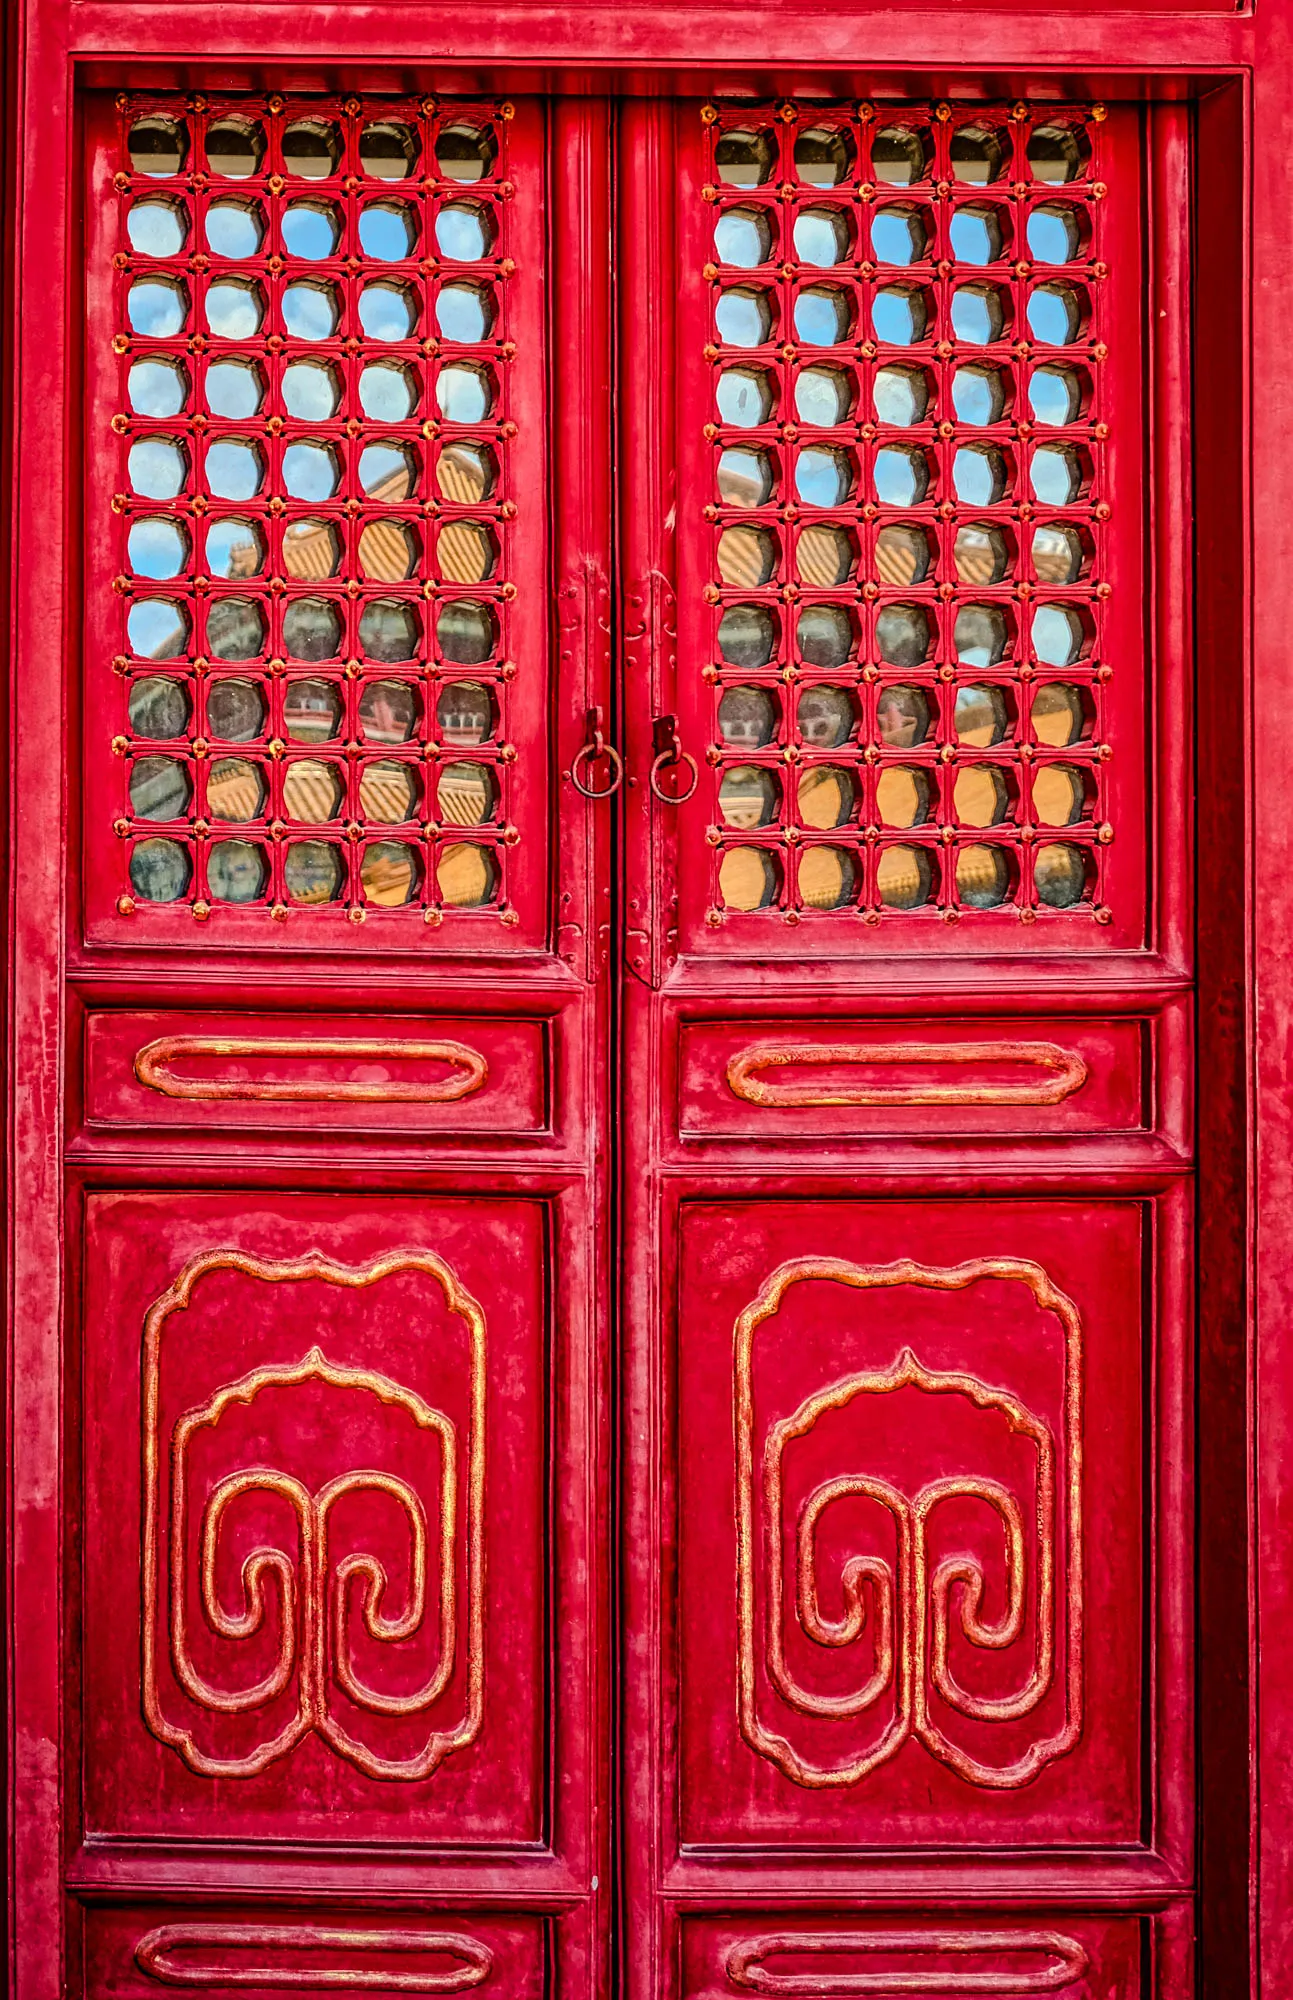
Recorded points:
1063,1961
154,1066
155,1955
1055,1073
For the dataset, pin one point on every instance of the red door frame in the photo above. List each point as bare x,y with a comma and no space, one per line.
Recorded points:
1235,63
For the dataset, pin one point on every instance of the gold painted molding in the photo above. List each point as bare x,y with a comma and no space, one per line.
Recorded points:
1064,1071
746,1971
153,1068
305,1584
911,1604
154,1956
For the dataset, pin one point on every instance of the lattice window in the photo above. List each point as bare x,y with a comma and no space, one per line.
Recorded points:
908,506
315,511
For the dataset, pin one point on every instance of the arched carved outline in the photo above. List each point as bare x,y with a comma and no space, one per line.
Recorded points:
311,1512
153,1957
153,1068
1064,1072
907,1619
745,1968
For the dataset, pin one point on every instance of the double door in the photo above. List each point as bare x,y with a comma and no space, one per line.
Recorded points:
628,1374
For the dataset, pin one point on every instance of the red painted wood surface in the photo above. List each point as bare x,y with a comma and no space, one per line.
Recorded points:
796,1082
236,1072
949,1327
832,1949
356,1462
868,1355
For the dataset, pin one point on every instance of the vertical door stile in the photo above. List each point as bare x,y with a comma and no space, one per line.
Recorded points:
648,499
1166,149
582,449
1234,1855
581,444
647,273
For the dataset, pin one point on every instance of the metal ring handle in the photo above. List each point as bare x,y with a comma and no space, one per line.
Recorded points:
588,753
670,759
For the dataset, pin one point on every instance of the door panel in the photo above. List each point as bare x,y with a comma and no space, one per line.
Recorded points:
1025,1077
324,1395
1057,1951
898,1648
129,1951
451,1074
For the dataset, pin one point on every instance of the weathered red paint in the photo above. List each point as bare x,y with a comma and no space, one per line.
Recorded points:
616,1224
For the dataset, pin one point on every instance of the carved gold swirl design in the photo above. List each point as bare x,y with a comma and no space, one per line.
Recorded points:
153,1067
911,1611
314,1603
154,1955
1066,1072
746,1970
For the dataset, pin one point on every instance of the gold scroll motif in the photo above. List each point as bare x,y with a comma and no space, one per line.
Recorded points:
1062,1072
155,1956
154,1068
747,1971
315,1600
912,1609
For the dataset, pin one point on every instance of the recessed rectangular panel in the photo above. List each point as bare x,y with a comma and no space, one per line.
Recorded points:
132,1953
315,1566
391,1075
830,1080
911,1511
943,1954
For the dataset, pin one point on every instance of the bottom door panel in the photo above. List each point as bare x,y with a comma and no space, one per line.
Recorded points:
315,1565
134,1953
839,1955
929,1508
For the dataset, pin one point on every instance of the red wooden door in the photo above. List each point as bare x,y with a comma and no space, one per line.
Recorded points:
338,1416
909,1436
